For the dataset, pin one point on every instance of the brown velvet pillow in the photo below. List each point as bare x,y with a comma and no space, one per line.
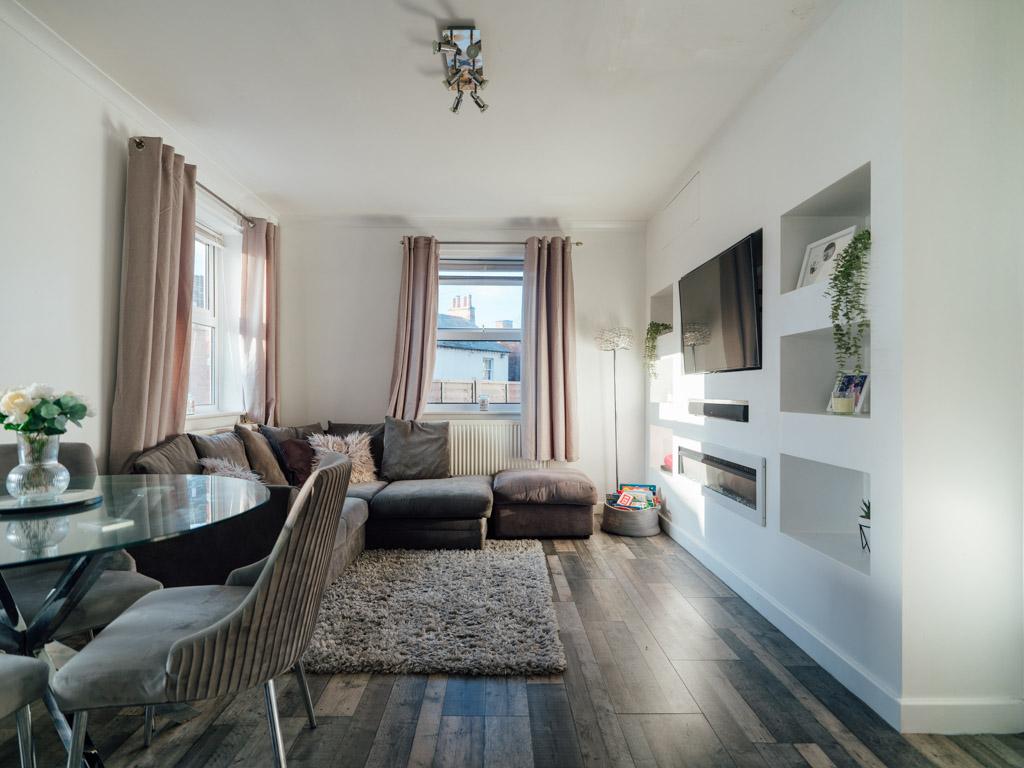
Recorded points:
298,460
222,445
277,435
261,456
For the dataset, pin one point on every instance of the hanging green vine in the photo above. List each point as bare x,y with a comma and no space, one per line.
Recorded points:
654,330
846,290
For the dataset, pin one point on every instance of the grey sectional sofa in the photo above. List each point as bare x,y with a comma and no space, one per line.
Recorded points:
422,513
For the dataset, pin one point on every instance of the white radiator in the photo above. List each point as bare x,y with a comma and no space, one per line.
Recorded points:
483,447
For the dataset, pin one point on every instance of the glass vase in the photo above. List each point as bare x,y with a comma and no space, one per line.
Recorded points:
38,475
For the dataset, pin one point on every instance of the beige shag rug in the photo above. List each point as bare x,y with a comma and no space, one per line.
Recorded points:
465,612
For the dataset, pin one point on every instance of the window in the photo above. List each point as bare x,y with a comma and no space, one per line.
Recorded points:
479,334
202,375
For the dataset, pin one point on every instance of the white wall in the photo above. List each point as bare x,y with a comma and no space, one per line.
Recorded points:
340,282
64,129
929,94
964,190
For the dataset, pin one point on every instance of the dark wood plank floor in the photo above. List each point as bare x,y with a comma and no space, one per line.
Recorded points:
666,667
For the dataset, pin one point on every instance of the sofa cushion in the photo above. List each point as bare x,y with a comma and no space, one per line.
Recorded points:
375,431
298,461
175,456
277,435
415,450
544,486
453,498
355,513
261,456
365,491
222,445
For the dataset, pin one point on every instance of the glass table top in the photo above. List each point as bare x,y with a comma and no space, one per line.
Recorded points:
135,509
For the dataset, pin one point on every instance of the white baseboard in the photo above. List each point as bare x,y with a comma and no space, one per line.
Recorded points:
908,715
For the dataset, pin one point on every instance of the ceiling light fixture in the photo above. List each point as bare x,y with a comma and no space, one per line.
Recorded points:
462,49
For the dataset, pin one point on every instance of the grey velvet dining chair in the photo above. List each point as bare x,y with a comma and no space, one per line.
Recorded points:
117,587
22,681
187,644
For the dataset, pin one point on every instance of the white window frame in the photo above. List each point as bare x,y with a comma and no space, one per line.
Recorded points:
208,318
476,264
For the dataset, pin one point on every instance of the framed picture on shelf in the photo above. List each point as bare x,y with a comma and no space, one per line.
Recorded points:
820,257
857,385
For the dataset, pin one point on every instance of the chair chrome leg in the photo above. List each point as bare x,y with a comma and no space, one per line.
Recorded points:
307,700
150,726
28,756
77,745
275,724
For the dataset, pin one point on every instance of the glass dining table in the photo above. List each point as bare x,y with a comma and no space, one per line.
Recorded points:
114,512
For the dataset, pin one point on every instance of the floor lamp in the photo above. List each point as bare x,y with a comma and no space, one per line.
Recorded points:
612,340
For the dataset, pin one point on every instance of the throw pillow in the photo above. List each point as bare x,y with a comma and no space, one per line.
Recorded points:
298,461
227,468
356,446
174,456
277,435
222,445
415,450
376,432
261,455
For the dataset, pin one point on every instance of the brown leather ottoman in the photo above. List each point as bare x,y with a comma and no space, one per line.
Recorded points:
542,503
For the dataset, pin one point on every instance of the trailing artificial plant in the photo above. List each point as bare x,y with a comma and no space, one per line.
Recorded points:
846,290
654,330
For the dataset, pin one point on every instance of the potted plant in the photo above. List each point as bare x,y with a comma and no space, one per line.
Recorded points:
864,524
847,289
654,330
40,416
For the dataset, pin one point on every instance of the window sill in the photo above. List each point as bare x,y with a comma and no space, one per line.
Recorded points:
475,414
211,422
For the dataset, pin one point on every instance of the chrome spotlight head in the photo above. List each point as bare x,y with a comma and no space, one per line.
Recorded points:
473,50
478,101
453,77
457,103
445,46
481,82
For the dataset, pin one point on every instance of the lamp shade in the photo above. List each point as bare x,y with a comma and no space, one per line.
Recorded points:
614,339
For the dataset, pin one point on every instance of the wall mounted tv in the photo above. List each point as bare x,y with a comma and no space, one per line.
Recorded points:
720,311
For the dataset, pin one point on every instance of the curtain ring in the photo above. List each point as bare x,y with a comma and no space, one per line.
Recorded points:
139,143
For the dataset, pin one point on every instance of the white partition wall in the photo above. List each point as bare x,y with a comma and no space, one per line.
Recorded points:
834,139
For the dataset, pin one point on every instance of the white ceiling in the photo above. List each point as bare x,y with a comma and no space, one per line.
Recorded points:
333,107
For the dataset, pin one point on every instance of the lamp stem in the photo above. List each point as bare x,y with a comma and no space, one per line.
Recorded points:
615,406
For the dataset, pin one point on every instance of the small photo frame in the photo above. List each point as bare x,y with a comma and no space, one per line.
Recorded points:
820,257
857,383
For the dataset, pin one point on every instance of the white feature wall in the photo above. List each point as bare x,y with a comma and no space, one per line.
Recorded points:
340,282
65,127
927,629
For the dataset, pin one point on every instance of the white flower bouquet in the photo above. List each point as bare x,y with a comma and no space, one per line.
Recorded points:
39,409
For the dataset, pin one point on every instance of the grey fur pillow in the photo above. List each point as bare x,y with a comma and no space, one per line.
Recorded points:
228,468
355,445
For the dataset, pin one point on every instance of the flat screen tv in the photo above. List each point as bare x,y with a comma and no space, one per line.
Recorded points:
720,311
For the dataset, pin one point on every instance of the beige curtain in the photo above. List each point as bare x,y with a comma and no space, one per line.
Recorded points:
416,340
550,430
259,321
154,336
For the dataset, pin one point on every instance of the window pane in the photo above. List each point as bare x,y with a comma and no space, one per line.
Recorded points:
202,281
480,306
465,370
201,387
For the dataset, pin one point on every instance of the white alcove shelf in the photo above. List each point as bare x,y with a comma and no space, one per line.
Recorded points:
807,372
820,505
843,204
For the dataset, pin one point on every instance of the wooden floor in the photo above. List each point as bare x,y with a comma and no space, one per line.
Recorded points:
666,667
